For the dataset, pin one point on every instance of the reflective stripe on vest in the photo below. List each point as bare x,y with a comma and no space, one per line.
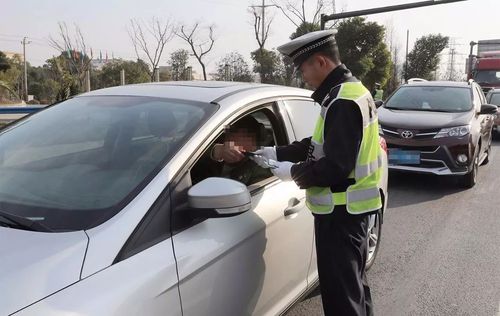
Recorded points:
363,196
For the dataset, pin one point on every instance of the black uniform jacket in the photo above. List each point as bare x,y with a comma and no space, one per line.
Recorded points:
342,138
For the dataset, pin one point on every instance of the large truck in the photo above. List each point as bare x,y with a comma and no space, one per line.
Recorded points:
485,66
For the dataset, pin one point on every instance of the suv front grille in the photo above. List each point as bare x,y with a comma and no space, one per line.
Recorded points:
417,134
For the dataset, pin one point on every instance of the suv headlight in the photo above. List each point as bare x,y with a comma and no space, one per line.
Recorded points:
458,131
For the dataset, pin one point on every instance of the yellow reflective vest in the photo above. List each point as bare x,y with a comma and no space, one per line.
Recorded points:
364,195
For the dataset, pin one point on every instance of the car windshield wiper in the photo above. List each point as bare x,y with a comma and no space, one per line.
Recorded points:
396,108
423,110
15,221
434,110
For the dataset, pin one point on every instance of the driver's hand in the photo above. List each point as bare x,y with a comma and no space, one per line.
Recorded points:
227,153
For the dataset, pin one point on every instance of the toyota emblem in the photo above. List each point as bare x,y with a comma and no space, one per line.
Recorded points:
407,134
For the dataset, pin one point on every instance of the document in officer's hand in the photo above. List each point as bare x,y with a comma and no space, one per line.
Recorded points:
262,161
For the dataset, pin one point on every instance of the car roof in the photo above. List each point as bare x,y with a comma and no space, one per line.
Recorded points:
200,91
462,84
495,91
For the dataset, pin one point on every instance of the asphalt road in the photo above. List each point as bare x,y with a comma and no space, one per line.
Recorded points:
440,251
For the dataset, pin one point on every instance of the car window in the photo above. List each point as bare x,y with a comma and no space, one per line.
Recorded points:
487,76
259,134
431,98
494,99
303,114
272,133
84,159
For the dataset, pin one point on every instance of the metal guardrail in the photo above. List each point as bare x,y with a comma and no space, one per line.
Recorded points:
9,114
19,109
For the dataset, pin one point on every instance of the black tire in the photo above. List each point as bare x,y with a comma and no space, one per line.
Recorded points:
469,180
374,237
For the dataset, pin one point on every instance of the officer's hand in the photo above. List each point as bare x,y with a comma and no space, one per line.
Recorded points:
267,152
227,153
282,169
260,160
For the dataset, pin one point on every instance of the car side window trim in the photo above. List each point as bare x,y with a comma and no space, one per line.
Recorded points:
211,137
144,236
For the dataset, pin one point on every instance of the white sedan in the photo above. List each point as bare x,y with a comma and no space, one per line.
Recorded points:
107,209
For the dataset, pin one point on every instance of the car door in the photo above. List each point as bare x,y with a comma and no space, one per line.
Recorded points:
486,121
301,116
491,118
141,281
255,263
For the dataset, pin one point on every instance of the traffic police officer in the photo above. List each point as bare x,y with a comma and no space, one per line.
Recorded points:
340,169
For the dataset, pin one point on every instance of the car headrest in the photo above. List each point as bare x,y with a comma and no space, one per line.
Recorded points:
161,122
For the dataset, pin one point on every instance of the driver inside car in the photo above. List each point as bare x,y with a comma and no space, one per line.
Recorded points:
229,159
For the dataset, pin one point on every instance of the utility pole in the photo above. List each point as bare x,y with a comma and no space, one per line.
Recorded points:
263,19
451,76
25,81
122,77
471,56
406,60
87,81
157,74
450,72
189,73
227,74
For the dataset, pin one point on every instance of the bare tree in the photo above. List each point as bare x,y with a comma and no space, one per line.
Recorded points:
76,48
394,47
199,47
150,39
295,11
261,31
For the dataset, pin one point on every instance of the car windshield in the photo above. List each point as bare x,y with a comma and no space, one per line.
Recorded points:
431,98
487,76
494,99
76,164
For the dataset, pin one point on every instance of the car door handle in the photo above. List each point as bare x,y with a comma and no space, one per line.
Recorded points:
294,206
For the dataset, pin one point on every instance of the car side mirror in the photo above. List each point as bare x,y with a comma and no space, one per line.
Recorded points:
379,103
219,197
487,109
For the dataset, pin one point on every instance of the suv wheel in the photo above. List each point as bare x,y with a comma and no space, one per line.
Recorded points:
374,233
469,180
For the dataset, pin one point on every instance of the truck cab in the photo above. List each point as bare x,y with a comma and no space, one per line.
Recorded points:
487,70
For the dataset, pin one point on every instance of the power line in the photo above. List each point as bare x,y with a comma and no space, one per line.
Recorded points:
8,40
21,36
221,2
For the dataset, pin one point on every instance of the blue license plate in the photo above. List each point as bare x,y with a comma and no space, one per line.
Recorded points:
404,157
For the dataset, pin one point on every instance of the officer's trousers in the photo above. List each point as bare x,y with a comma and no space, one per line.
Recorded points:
341,247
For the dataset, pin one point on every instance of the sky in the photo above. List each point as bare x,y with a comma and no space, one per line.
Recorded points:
104,24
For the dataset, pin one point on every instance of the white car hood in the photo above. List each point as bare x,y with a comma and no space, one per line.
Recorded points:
34,265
